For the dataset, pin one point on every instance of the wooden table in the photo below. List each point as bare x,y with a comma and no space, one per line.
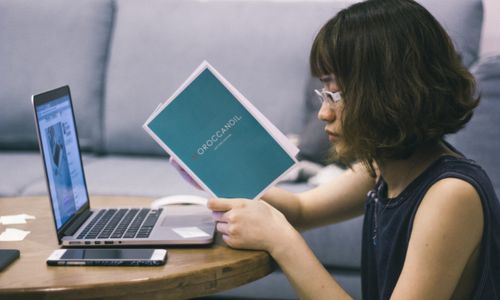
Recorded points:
189,272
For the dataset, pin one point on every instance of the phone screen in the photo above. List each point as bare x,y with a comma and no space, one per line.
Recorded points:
108,254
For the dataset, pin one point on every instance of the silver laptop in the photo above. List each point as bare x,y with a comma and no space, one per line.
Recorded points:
78,225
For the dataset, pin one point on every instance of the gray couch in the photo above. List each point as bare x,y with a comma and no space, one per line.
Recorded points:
121,58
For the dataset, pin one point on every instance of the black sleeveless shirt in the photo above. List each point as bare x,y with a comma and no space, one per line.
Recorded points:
388,224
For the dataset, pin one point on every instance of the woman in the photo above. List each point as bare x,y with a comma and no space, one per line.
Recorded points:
393,88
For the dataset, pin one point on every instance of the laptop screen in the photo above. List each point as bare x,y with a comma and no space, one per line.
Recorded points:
62,158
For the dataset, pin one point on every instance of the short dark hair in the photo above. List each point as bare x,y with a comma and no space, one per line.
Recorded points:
402,81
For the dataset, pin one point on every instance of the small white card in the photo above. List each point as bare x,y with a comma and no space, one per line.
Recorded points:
15,219
190,232
12,234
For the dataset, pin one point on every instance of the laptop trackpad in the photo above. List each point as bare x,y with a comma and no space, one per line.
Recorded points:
187,215
186,220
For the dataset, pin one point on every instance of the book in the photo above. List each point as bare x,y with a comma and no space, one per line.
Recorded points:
229,147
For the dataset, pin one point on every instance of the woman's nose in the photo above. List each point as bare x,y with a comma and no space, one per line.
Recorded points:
326,113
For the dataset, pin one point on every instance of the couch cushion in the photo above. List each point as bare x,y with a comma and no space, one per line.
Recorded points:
259,46
130,176
480,139
24,171
463,20
338,245
268,64
23,168
44,45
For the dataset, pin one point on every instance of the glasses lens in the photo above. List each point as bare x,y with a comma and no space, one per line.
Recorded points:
328,98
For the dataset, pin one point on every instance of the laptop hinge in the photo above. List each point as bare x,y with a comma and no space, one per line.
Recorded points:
77,223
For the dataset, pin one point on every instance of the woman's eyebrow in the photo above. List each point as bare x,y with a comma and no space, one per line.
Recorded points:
327,79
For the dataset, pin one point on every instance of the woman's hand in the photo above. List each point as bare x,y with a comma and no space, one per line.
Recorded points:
251,224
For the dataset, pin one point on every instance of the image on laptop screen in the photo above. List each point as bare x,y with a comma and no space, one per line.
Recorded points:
62,158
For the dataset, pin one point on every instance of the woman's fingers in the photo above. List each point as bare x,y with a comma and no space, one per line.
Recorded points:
222,204
217,215
221,216
223,228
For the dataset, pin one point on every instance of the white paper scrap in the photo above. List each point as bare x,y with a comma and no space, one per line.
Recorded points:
28,217
190,232
9,220
15,219
12,234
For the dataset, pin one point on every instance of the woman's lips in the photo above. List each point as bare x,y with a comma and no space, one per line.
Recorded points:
332,136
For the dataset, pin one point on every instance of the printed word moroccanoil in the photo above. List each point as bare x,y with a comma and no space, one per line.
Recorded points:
218,135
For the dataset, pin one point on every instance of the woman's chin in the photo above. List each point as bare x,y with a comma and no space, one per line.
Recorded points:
339,150
339,147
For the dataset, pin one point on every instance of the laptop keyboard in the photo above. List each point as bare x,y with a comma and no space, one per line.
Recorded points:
121,223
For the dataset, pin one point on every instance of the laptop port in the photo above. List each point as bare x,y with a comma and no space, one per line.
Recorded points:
87,243
108,242
97,243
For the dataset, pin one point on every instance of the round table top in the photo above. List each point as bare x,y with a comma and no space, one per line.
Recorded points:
189,271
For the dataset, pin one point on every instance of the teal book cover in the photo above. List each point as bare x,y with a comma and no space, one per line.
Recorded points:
219,139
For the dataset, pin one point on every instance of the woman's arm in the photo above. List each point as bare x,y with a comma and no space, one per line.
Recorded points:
304,271
257,225
447,231
341,199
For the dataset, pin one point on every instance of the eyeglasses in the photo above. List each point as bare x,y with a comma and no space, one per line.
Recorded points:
329,97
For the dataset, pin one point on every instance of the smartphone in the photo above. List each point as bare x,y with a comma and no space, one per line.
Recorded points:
7,256
107,257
